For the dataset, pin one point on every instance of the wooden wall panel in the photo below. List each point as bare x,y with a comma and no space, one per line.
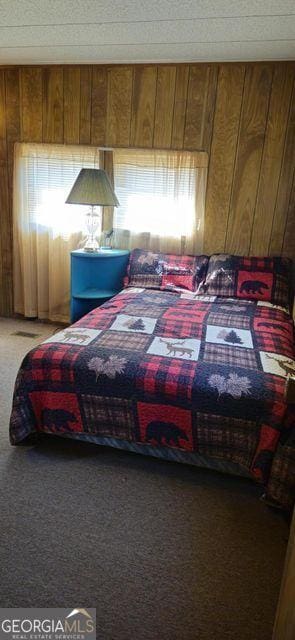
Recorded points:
99,105
72,105
289,236
242,114
12,106
120,80
197,89
144,98
85,104
13,134
3,147
271,160
180,100
31,107
200,107
209,108
222,156
6,227
53,105
285,184
164,107
248,157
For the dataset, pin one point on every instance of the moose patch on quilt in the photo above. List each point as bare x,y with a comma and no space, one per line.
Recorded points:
205,374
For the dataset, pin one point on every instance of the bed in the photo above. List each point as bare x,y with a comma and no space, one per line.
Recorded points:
173,372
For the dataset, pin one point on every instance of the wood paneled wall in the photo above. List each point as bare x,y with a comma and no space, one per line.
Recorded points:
242,114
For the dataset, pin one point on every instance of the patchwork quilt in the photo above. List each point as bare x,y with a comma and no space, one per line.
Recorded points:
197,373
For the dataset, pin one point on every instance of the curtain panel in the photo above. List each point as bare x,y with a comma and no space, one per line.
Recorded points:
45,229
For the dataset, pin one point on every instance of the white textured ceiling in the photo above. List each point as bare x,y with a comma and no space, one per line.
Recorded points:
113,31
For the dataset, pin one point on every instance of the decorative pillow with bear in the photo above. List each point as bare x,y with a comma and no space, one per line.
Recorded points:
165,270
250,278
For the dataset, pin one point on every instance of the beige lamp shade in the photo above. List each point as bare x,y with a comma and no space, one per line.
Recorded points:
92,187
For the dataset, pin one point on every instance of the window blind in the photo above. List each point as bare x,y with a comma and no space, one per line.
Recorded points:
48,173
157,192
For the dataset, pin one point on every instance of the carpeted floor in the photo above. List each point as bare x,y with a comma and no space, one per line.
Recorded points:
162,550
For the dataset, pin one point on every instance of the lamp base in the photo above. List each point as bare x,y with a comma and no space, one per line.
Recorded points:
93,219
91,246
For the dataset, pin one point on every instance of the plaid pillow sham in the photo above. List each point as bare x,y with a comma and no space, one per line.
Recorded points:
165,271
250,278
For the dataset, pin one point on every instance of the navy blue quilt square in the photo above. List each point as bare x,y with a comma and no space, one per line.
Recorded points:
101,371
230,391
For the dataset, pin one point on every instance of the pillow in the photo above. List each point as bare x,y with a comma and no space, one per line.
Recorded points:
250,278
165,270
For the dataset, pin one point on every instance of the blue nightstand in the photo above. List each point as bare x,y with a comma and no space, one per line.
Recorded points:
95,277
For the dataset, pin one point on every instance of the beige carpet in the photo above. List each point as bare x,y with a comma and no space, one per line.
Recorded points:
163,551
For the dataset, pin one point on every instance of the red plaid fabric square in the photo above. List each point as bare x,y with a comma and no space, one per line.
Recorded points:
281,484
220,282
178,328
189,312
281,291
274,332
97,319
137,309
268,441
110,417
53,363
123,340
116,304
227,438
276,385
148,281
229,319
195,308
22,419
230,356
272,319
170,260
166,376
254,264
274,343
183,321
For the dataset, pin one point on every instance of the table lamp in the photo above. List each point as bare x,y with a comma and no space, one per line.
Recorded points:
92,187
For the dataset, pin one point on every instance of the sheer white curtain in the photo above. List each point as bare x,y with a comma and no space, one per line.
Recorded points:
45,228
162,199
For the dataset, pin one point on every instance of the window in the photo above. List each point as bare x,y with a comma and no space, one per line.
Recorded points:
159,194
48,173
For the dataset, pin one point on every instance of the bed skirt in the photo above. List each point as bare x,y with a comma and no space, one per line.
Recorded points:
172,455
